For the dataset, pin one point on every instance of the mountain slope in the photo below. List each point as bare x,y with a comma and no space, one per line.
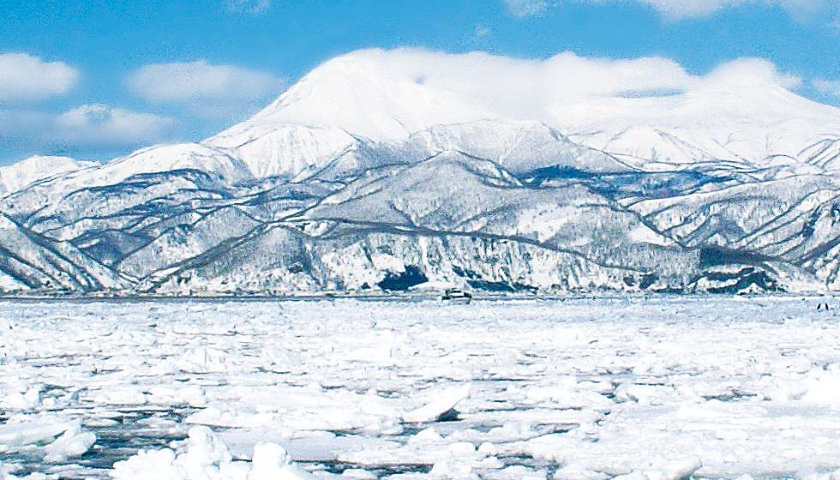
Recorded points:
383,170
36,263
37,168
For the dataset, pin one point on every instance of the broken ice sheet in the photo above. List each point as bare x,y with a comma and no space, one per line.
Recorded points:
647,389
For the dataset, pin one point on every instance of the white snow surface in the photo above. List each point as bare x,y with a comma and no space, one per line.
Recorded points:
36,168
634,388
647,109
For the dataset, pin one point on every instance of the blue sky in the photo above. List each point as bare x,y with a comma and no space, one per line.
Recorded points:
94,79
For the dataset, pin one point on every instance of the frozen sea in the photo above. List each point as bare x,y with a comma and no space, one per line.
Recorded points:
639,389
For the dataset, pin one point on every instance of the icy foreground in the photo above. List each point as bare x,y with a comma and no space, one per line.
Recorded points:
641,389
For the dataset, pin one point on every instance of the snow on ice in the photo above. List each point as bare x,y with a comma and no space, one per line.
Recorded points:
579,389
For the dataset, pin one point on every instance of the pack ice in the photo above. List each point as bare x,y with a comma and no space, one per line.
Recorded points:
662,388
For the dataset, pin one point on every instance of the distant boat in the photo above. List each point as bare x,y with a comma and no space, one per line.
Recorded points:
456,295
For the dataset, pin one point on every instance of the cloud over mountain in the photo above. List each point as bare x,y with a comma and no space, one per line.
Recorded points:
420,88
100,123
828,87
83,126
182,82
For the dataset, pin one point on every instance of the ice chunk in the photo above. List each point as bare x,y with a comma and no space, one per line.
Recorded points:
23,400
358,474
157,464
278,360
679,469
42,430
271,462
204,360
120,396
4,475
672,470
451,469
632,476
205,456
205,453
823,388
429,435
577,472
72,443
443,402
523,473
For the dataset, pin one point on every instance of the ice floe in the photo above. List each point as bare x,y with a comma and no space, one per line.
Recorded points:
579,389
204,456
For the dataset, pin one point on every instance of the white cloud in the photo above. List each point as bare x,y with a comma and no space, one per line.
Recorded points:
27,77
693,8
746,72
97,123
699,8
364,90
677,9
827,87
481,32
210,89
527,8
566,77
91,125
248,6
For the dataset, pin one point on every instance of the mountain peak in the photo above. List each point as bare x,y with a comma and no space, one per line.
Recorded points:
370,93
35,168
389,95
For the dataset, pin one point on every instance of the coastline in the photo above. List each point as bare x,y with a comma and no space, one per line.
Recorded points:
403,297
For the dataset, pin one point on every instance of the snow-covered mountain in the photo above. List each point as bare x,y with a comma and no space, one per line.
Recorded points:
35,169
384,170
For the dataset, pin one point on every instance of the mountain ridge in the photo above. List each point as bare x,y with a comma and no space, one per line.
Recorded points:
406,173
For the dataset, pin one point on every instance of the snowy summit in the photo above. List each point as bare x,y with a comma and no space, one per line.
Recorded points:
382,170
